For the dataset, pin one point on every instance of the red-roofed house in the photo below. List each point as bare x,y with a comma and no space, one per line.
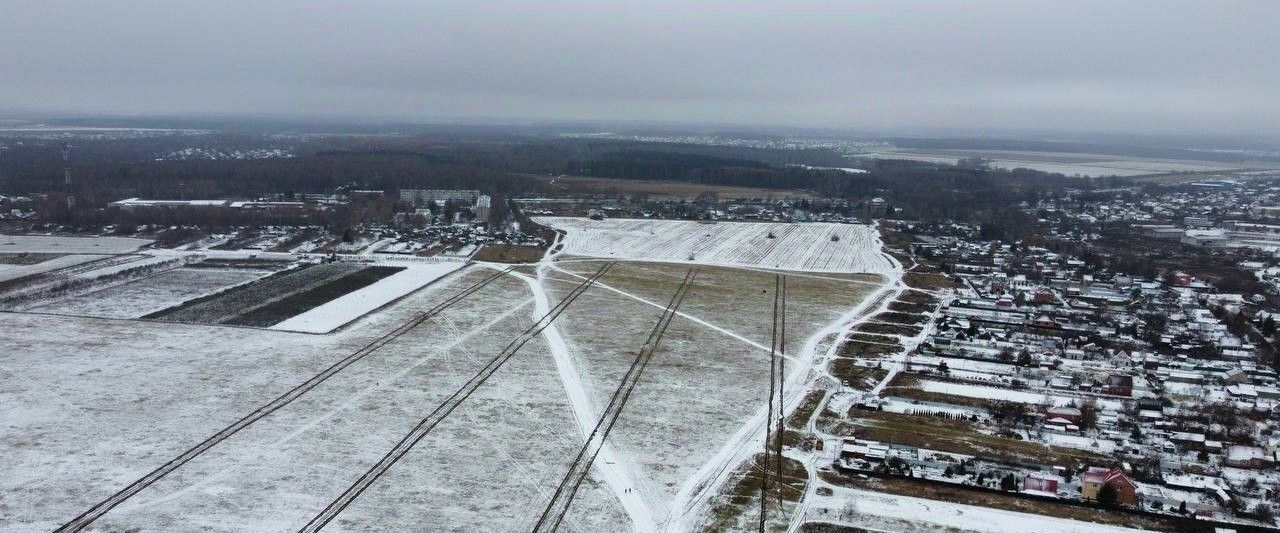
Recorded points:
1095,478
1119,385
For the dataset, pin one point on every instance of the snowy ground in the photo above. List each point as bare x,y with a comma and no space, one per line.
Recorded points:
8,272
147,295
887,512
710,373
799,247
69,245
339,311
89,405
1028,397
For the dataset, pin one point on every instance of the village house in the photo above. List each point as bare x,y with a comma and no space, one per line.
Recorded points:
1124,489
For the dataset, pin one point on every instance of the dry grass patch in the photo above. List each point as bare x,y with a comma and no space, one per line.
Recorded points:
866,349
509,253
917,297
742,495
921,280
901,318
799,418
856,375
932,491
907,307
960,437
937,397
887,329
870,337
26,259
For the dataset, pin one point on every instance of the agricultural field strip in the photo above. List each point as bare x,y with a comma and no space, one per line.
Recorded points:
459,379
442,411
281,289
1020,396
806,247
618,472
796,274
93,513
139,297
89,268
964,517
578,470
244,300
695,319
69,245
304,300
83,279
10,272
351,402
342,310
119,263
881,302
817,315
697,490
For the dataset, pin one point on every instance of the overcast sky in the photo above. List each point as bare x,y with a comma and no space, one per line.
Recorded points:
1121,66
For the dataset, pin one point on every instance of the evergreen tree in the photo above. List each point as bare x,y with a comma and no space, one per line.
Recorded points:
1024,359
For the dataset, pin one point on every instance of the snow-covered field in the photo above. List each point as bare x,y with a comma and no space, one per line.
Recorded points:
888,512
8,272
69,245
339,311
147,295
710,373
994,393
798,246
89,405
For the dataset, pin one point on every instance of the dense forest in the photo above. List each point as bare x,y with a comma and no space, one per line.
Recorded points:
505,165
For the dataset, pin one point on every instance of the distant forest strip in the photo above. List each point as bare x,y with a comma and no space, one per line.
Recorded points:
504,166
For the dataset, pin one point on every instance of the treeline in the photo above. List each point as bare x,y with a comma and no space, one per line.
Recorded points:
506,166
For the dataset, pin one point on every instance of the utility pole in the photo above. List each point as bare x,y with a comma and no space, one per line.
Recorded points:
4,183
66,179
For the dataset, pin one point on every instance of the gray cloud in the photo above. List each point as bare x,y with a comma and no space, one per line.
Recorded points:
1151,66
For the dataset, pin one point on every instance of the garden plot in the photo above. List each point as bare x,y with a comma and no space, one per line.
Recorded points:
816,247
247,304
69,245
710,373
25,293
148,295
1019,396
88,410
309,298
343,309
878,511
12,270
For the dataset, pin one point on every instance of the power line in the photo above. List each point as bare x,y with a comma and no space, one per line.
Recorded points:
442,411
558,507
773,369
88,517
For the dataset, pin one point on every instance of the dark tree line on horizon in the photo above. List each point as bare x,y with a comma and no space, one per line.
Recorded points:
509,166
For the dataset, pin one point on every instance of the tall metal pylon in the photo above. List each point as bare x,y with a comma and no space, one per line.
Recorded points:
66,178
